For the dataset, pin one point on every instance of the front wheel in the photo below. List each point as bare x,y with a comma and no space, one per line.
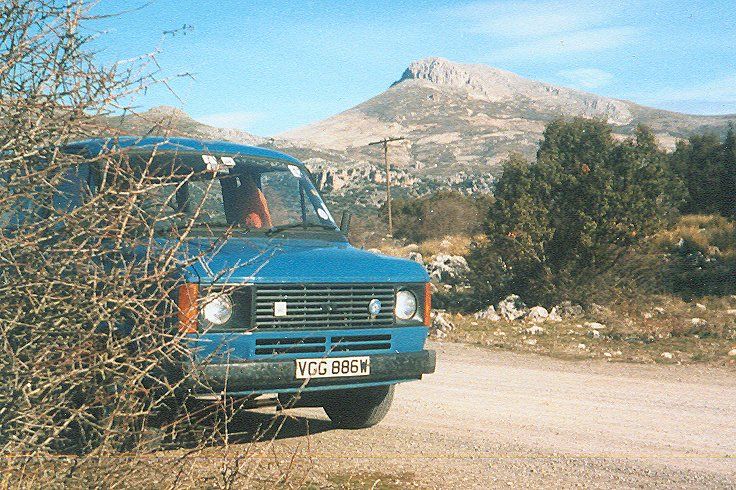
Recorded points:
360,407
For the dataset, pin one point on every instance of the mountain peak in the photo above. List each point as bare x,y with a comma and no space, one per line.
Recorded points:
481,80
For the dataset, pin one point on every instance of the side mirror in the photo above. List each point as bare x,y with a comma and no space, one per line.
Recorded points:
345,222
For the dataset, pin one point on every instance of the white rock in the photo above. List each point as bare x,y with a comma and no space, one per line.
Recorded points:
566,310
554,316
667,355
534,330
441,325
531,341
698,322
700,306
582,346
659,310
732,352
607,354
594,334
731,312
487,314
618,353
537,314
594,325
512,308
647,315
416,257
448,268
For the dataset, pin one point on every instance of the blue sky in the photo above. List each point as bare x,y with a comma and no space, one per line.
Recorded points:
269,66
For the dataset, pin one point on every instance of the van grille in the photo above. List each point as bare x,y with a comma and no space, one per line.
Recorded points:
316,306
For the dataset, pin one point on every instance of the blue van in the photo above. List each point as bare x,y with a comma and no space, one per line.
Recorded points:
284,304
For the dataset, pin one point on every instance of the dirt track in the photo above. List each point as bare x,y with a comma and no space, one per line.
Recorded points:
490,418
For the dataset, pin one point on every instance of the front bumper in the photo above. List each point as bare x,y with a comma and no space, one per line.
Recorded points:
257,377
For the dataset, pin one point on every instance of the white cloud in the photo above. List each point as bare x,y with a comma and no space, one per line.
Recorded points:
548,28
586,77
529,19
237,119
571,42
721,90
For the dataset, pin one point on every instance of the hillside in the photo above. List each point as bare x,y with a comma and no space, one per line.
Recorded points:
459,117
460,122
170,121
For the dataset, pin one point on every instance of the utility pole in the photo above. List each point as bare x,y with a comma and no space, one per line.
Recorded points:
385,142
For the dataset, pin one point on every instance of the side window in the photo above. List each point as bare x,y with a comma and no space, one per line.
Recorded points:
69,191
72,188
206,201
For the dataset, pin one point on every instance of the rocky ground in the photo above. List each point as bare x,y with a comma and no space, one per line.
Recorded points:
675,333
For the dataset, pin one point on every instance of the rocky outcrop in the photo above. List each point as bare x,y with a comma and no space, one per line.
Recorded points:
448,269
566,310
512,308
487,314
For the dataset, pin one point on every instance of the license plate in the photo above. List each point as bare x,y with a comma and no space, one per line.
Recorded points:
333,368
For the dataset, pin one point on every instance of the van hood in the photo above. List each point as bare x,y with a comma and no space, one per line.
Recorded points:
282,260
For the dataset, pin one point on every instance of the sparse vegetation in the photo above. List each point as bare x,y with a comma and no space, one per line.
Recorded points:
639,331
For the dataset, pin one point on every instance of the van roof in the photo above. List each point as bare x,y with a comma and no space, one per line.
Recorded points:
96,146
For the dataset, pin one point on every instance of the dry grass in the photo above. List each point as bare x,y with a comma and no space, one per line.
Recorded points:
453,245
711,233
633,333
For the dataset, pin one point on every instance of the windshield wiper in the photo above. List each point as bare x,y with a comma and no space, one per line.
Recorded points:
278,228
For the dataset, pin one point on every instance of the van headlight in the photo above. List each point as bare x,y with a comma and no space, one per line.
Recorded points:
217,309
406,305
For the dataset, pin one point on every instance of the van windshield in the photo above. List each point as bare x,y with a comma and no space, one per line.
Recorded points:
250,198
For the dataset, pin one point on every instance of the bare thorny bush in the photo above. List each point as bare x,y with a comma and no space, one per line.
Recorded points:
88,315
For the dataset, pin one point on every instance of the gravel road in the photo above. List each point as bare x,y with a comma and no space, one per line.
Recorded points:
498,419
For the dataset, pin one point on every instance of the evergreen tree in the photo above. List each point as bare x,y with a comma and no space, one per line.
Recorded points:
728,174
699,162
574,212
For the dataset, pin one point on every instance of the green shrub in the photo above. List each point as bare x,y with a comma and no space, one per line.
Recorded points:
558,223
707,165
438,215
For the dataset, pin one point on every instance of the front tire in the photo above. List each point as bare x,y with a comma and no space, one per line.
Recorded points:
358,408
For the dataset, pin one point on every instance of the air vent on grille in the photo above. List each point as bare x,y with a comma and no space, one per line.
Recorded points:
318,306
347,343
290,345
317,345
